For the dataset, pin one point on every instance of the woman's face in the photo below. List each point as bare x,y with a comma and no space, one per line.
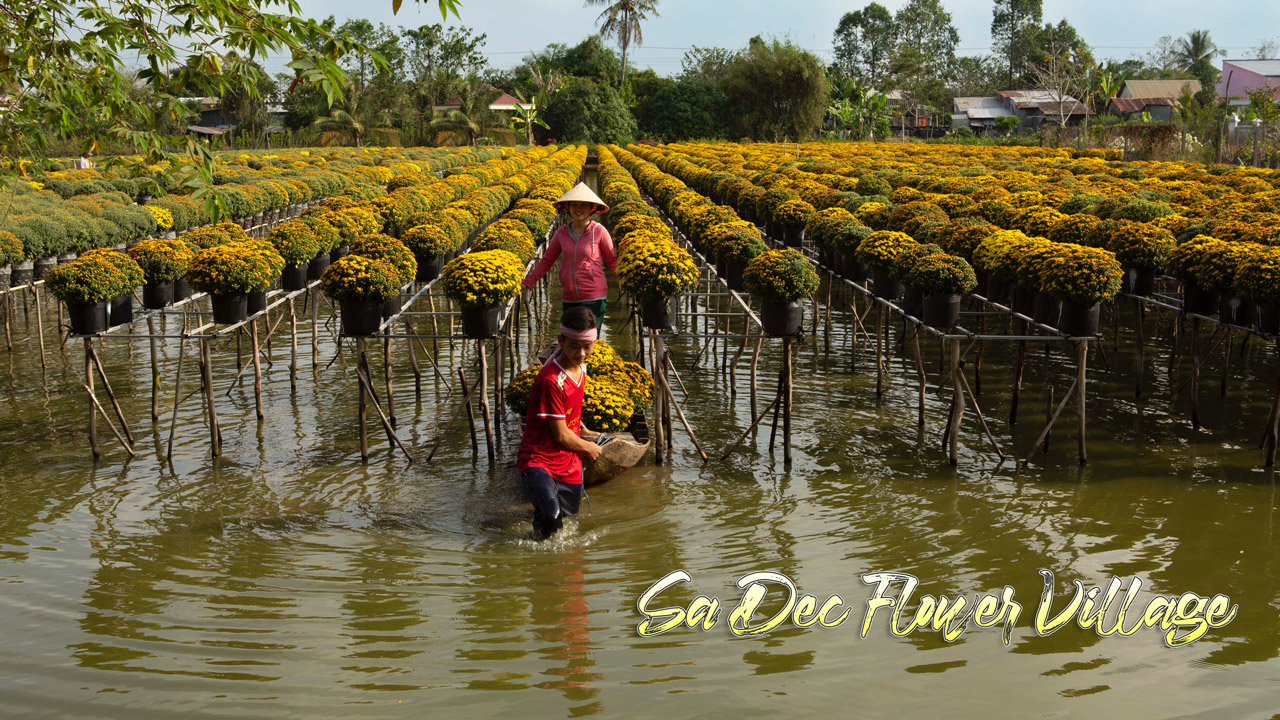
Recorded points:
580,211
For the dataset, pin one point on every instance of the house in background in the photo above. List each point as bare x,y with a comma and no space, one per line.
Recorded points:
978,113
1239,77
1033,107
1160,108
502,103
1157,88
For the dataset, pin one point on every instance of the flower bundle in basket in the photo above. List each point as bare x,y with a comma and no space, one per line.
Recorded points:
361,285
1081,277
482,283
231,271
879,250
792,216
653,270
781,278
941,278
163,262
296,242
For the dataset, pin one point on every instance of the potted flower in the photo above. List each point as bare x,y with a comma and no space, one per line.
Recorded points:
131,276
781,278
943,278
86,286
394,253
1030,267
653,270
792,216
361,285
1217,271
844,244
1183,263
1142,251
10,253
879,249
269,254
162,263
1082,277
482,283
296,243
998,255
912,297
738,250
429,244
606,407
327,237
229,272
510,235
1258,280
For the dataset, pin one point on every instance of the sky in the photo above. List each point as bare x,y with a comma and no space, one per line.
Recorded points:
1115,28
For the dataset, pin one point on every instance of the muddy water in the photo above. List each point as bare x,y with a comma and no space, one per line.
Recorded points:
286,579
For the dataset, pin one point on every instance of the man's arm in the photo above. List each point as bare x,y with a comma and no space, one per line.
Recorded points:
561,434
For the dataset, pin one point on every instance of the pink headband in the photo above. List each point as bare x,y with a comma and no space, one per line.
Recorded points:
588,335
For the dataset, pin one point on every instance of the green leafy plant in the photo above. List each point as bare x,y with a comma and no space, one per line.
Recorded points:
354,277
780,276
162,260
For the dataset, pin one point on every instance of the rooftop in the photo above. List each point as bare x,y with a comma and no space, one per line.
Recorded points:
1129,105
1266,68
1158,88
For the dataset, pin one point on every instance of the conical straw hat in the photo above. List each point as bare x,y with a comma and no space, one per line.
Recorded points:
581,193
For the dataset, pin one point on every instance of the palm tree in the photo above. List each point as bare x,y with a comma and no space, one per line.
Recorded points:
528,116
621,19
1195,48
351,118
472,119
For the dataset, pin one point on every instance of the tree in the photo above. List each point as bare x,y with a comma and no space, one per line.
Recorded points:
528,116
864,42
436,60
585,110
778,91
621,20
353,118
685,110
1013,26
1060,70
472,119
1267,49
709,64
249,107
1195,53
641,88
591,59
858,110
1006,124
975,76
924,28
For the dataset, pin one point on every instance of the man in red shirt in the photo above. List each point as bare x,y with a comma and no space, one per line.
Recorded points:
555,441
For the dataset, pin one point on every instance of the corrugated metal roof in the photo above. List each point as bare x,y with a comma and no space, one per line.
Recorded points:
989,113
1267,68
965,103
1157,88
1128,105
1070,107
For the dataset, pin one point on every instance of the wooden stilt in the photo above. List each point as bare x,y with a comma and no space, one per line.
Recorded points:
981,420
386,369
293,347
755,360
471,417
1226,362
659,398
1142,311
257,370
1270,439
96,407
386,424
239,353
484,400
826,323
958,388
215,434
155,372
315,332
106,385
879,350
920,376
1048,416
435,327
363,411
777,409
1019,364
683,421
499,366
977,365
35,290
754,424
1195,372
1082,359
413,360
93,415
1049,426
786,402
177,396
8,335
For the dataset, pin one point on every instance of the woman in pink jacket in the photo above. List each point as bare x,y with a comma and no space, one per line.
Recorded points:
580,246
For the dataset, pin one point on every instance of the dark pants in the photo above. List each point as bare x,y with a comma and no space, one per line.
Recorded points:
552,500
595,306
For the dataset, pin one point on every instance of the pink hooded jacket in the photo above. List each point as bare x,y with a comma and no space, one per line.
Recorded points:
581,275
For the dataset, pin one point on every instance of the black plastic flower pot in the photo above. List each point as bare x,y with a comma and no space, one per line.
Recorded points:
1269,317
181,289
656,313
1139,281
854,270
733,275
88,318
782,319
1078,320
793,237
392,306
294,276
1024,299
360,317
941,311
1047,309
1235,310
912,301
885,287
157,295
429,268
257,301
722,267
42,267
121,310
1198,301
481,322
316,267
339,252
230,308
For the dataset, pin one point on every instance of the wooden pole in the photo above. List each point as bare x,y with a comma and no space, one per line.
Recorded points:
1017,373
920,376
88,373
683,421
386,369
471,417
315,332
413,360
659,445
826,324
1082,359
257,370
386,424
97,408
1226,361
177,395
879,350
110,393
363,411
958,388
755,359
1049,426
1195,372
155,372
1048,418
8,336
1142,311
215,435
293,347
754,423
1270,439
786,402
484,401
35,290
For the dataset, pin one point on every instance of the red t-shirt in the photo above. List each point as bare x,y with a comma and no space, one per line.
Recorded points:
554,395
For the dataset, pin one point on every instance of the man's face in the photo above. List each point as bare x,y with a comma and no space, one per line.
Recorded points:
580,211
576,351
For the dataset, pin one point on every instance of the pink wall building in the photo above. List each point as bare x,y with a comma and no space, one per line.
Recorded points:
1247,75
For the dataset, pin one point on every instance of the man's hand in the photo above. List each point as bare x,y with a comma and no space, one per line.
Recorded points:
591,452
561,434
